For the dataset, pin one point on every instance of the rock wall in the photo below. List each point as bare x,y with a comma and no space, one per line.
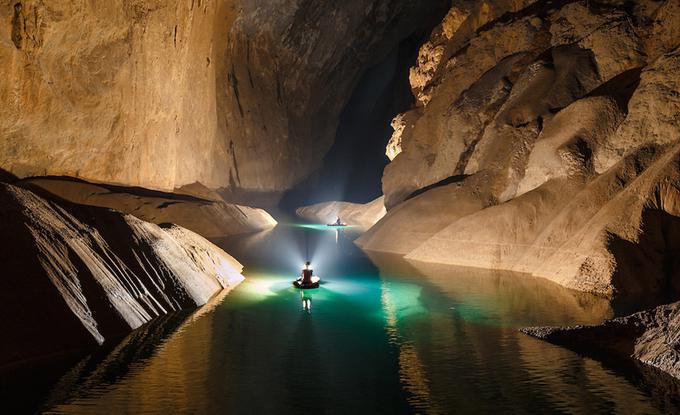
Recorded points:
161,94
76,276
209,216
545,141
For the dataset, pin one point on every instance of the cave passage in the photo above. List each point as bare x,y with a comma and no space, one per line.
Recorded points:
352,168
385,338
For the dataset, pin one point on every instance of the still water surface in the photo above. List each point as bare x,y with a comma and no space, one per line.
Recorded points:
380,336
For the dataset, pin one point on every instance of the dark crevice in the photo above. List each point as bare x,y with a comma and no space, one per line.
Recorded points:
648,271
234,85
232,151
620,87
449,180
17,36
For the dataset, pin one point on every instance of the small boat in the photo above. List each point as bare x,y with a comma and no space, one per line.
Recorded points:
300,285
307,272
337,223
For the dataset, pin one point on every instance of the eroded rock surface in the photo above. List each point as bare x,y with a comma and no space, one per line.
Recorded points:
545,141
652,337
356,214
159,94
209,216
75,276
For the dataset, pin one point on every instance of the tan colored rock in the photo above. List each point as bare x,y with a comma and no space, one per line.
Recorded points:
549,146
394,145
558,150
412,222
539,58
209,218
360,215
580,237
653,117
96,273
161,94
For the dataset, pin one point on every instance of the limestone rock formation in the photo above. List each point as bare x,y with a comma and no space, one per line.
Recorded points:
652,337
545,141
355,214
209,216
159,94
77,276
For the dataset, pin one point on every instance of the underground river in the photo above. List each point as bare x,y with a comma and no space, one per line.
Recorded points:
379,336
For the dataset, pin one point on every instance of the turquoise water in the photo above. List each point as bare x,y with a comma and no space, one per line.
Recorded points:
379,336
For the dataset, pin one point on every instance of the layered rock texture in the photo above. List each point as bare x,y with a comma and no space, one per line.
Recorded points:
362,215
76,276
651,337
160,94
546,140
209,215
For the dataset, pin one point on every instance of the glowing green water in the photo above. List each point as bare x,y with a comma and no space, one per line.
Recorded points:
377,339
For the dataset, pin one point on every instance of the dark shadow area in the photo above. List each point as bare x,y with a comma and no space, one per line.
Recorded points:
648,271
7,177
352,168
66,377
448,180
621,87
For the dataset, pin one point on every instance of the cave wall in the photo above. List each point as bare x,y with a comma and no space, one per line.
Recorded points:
161,94
544,133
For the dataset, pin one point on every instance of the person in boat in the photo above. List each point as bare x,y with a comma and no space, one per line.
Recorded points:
306,275
338,222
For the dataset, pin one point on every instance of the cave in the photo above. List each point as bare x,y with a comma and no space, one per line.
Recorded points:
370,206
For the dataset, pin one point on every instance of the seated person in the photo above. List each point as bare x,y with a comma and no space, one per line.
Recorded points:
306,275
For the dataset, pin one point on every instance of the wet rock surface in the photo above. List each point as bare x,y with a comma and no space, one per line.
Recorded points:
651,337
76,276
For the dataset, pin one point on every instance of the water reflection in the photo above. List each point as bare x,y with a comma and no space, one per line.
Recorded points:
306,301
398,338
460,351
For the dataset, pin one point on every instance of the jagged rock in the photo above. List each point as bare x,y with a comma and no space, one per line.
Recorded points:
355,214
211,218
76,276
652,337
160,94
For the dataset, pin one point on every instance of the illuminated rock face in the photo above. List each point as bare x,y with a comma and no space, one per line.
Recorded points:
355,214
161,94
209,216
545,140
76,276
